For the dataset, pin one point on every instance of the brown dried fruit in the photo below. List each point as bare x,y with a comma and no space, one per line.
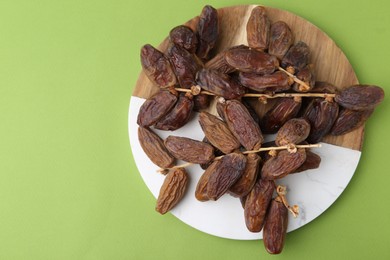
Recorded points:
297,56
218,62
218,133
207,30
252,61
258,29
219,83
242,125
313,161
282,164
201,102
348,120
281,39
280,113
217,153
154,148
155,108
189,150
184,64
257,203
324,87
245,183
321,115
275,82
226,174
306,75
157,67
242,201
201,187
293,131
184,37
275,227
172,190
360,97
178,116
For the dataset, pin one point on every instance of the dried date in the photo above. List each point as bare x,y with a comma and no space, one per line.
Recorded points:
230,169
184,37
208,31
172,190
275,82
294,131
349,120
312,161
360,97
307,76
281,39
189,150
155,107
201,187
297,56
218,62
258,29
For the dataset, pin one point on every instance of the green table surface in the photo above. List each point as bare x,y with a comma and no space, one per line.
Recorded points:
69,187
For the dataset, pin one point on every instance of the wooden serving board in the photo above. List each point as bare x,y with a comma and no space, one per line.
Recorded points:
329,61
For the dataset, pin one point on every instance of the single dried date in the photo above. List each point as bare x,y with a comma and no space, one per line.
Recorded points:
283,163
294,131
258,29
307,76
201,187
155,107
242,125
256,204
251,61
218,133
157,67
201,102
281,39
184,37
321,115
184,64
219,84
208,31
179,115
275,82
154,148
280,113
172,190
189,150
245,183
275,227
312,161
349,120
226,174
297,56
360,97
218,62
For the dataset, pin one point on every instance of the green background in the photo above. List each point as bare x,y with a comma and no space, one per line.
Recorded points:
69,187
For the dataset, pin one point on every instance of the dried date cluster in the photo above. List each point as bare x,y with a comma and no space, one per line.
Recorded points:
233,153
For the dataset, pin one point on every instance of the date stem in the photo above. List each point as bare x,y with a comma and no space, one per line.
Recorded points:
303,85
282,192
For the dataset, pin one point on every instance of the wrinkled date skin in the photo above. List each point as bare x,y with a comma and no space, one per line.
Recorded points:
297,56
256,204
245,183
307,76
242,125
281,112
179,115
294,131
282,164
313,161
218,133
349,120
258,29
251,61
155,107
184,64
154,148
157,67
189,150
230,169
275,82
321,115
184,37
201,187
275,227
360,97
219,83
208,31
218,62
281,39
172,190
324,87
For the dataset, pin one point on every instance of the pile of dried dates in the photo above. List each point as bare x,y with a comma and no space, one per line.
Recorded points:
233,153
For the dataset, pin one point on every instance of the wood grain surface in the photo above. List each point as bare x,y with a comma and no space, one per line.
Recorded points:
329,61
